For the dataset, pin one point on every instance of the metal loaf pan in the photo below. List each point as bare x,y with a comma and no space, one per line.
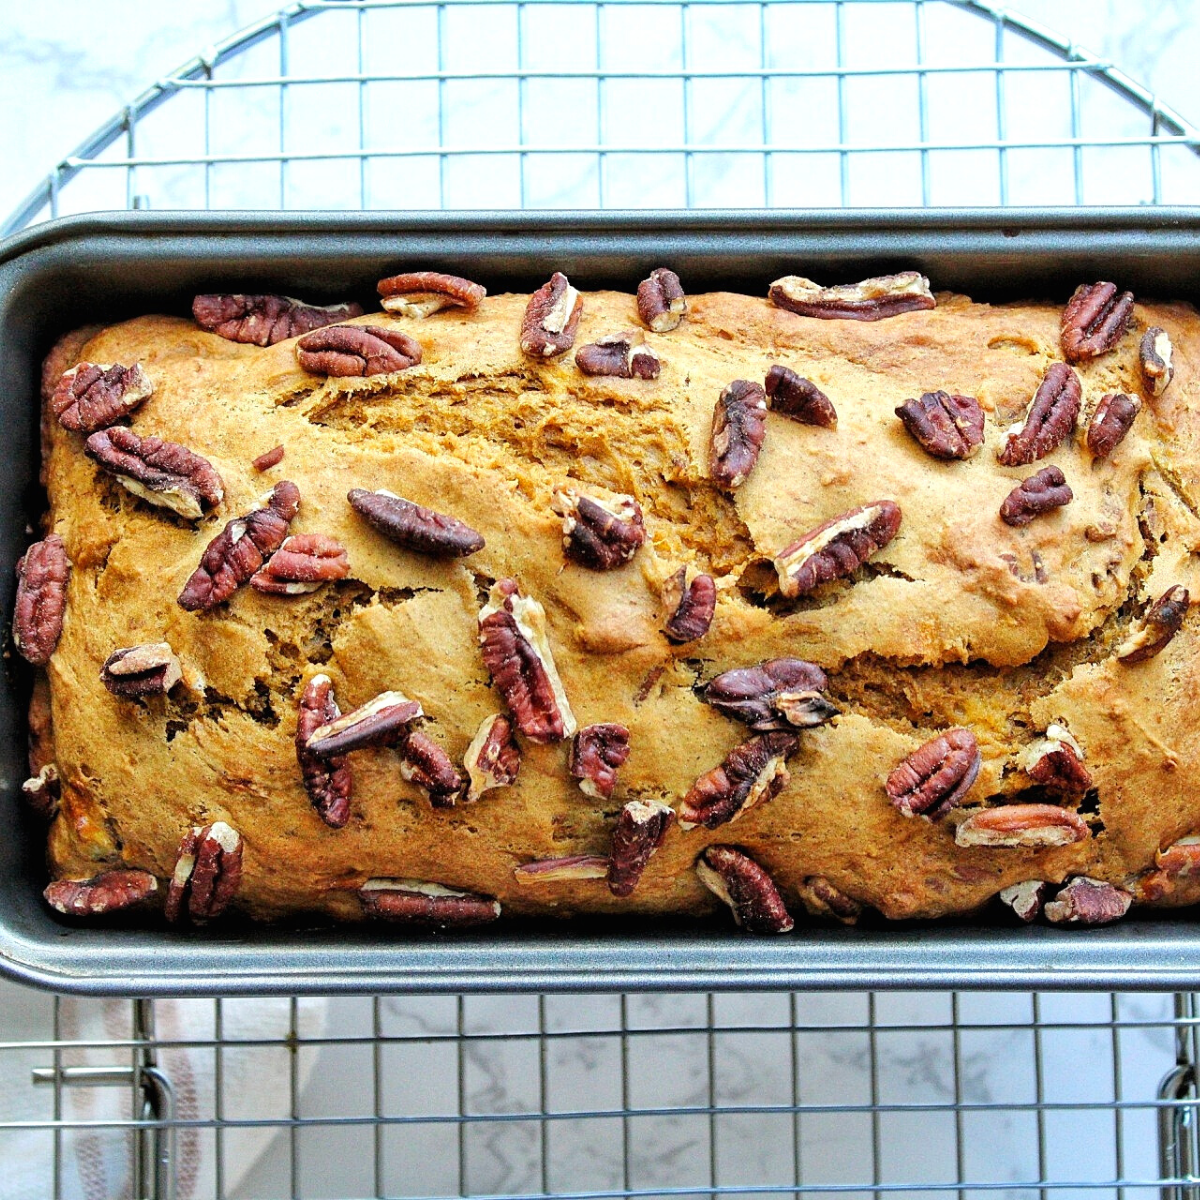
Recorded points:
104,268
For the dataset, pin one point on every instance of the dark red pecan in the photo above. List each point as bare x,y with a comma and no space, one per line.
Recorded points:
1085,901
207,873
415,902
935,777
240,549
161,473
90,397
1035,496
660,300
357,350
870,300
328,781
264,320
597,754
561,870
1055,761
551,318
1112,420
622,355
794,396
42,791
422,293
424,763
1028,826
516,650
493,759
599,534
738,430
302,564
1180,860
945,426
751,774
691,602
148,670
1094,320
42,574
382,721
107,892
1049,421
836,548
415,528
1156,356
773,695
1162,621
1026,899
822,899
749,891
272,458
641,829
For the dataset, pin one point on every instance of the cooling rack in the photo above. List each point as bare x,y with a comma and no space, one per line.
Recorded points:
491,103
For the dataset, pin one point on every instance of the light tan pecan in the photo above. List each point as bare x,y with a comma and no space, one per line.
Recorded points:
422,293
303,563
41,601
1112,420
328,781
749,891
1050,419
1055,761
1095,318
107,892
751,774
272,458
355,351
414,527
935,777
1026,898
738,430
1179,861
799,398
870,300
1086,901
641,828
382,721
773,695
836,548
822,899
599,534
1041,493
1161,622
944,426
424,763
1156,356
661,303
207,873
42,791
622,355
417,902
1023,825
691,602
260,320
90,396
597,754
561,870
493,759
148,670
162,473
551,318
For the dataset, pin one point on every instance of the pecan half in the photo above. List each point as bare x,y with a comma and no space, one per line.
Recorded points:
233,556
561,870
264,320
794,396
749,891
935,777
148,670
870,300
691,601
751,774
599,534
551,318
623,355
42,574
641,829
42,791
1180,860
1026,899
1156,355
661,303
348,351
1162,621
414,527
945,426
822,899
516,650
1050,419
328,781
836,548
422,293
1023,825
493,759
272,458
738,430
1112,420
773,695
1056,761
207,873
424,763
302,564
597,754
90,397
1085,901
162,473
415,902
1094,320
382,721
1036,496
107,892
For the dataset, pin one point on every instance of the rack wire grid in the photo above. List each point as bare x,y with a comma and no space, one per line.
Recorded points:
468,103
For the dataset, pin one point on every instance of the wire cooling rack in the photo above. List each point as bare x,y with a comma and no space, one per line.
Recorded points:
490,103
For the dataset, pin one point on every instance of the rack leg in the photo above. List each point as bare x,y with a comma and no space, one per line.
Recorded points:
1178,1130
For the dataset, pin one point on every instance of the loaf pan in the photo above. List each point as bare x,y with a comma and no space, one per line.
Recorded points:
107,267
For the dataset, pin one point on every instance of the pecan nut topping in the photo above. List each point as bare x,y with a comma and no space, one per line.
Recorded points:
1036,496
751,774
233,556
1180,860
328,781
1156,355
272,458
1085,901
516,650
264,320
749,891
42,574
794,396
1112,420
936,776
302,564
149,670
641,829
551,318
822,899
207,873
561,870
945,426
107,892
415,902
493,759
1026,898
622,355
661,303
1163,620
1050,419
382,721
773,695
597,754
599,534
871,300
1055,761
738,430
1094,320
422,293
90,397
691,601
414,527
162,473
424,763
836,548
42,791
1024,825
354,351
